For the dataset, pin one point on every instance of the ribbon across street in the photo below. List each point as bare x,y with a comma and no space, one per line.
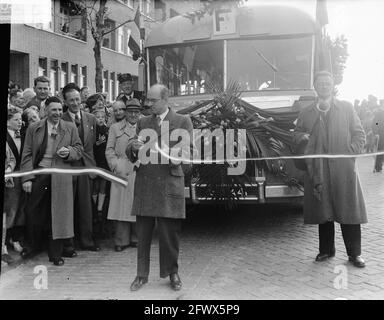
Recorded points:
81,171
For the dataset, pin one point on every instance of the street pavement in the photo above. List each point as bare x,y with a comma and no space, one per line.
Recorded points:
254,252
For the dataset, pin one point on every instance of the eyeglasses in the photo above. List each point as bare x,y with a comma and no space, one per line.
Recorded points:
153,100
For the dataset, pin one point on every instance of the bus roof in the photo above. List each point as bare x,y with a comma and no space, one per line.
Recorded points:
257,21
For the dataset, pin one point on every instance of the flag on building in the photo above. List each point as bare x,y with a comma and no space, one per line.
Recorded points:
133,45
136,20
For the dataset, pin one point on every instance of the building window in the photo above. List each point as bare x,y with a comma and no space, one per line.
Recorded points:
112,85
74,74
129,3
120,40
70,20
83,76
64,74
53,76
105,81
145,7
42,67
109,40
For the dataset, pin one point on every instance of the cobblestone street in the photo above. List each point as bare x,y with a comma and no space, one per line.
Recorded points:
255,252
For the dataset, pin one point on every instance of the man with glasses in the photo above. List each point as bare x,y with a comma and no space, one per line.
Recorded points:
158,192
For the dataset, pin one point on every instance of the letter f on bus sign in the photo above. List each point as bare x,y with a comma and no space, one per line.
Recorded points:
224,21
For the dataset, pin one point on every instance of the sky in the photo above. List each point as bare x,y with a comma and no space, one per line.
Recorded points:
362,23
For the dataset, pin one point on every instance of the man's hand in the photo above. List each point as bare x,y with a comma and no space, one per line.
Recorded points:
304,137
136,145
27,186
63,152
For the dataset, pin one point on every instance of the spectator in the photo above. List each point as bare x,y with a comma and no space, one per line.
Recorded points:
15,197
99,183
41,88
121,198
378,130
29,116
16,99
28,95
50,142
86,126
10,163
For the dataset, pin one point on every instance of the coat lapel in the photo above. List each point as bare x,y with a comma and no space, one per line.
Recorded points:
60,135
41,141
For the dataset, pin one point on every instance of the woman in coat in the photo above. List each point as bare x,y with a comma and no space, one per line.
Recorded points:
121,198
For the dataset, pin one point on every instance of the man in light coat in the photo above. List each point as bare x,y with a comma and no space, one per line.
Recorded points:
159,191
51,142
332,186
121,198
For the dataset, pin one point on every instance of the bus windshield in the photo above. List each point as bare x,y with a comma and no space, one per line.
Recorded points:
188,69
268,64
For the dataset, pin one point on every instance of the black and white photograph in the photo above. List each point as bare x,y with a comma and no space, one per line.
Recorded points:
198,150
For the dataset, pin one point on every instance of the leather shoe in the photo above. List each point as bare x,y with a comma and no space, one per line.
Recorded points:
69,254
138,283
91,248
57,261
120,248
357,261
175,281
133,244
27,253
324,256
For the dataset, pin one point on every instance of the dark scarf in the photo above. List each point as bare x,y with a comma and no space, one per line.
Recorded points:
317,144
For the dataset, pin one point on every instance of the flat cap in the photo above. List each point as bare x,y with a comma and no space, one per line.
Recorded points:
133,104
125,77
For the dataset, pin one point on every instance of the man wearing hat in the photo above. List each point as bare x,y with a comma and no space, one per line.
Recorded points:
121,198
126,89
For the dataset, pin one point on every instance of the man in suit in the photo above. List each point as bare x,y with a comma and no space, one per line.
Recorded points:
332,187
378,130
126,85
159,192
86,126
50,142
41,88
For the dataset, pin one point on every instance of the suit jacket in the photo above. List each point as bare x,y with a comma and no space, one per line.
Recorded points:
159,188
12,146
342,197
89,137
61,184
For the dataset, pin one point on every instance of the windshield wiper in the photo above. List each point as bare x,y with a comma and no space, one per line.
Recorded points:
273,67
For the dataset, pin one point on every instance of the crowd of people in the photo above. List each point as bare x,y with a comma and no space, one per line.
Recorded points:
64,213
371,114
104,129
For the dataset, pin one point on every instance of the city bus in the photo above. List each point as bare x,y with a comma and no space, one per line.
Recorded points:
272,52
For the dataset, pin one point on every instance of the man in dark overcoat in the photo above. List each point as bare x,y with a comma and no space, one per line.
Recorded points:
86,126
126,91
159,191
50,142
332,186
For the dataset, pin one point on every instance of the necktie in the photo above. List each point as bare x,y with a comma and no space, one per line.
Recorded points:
17,134
77,120
158,120
54,132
